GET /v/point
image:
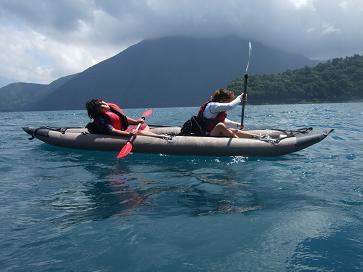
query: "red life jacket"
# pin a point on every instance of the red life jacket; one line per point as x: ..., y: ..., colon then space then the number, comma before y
x: 209, y: 124
x: 117, y: 117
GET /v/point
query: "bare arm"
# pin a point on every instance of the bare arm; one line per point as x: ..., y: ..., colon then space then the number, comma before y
x: 121, y: 133
x: 134, y: 122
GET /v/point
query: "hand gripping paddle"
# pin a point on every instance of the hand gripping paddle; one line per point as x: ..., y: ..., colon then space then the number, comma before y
x: 126, y: 149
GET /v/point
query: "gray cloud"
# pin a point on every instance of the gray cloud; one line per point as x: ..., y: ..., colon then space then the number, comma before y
x: 47, y: 16
x: 94, y: 30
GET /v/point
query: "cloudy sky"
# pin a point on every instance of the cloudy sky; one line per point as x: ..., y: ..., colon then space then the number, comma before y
x: 42, y: 40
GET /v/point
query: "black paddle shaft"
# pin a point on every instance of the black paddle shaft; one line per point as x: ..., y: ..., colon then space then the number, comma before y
x: 244, y: 98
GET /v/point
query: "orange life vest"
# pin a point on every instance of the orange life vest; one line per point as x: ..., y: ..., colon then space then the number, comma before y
x: 117, y: 117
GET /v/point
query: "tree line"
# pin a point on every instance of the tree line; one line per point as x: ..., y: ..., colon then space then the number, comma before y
x: 337, y: 80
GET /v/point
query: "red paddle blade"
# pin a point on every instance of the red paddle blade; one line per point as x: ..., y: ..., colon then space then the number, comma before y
x: 126, y: 149
x: 147, y: 113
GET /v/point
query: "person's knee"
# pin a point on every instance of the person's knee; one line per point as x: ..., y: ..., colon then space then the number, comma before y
x: 220, y: 130
x: 221, y: 126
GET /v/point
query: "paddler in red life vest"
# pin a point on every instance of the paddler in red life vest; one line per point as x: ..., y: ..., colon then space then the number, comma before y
x: 214, y: 116
x: 108, y: 118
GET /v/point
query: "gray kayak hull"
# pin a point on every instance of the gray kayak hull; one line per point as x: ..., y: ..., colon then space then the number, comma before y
x: 79, y: 138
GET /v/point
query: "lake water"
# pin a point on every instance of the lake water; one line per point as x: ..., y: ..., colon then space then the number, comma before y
x: 71, y: 210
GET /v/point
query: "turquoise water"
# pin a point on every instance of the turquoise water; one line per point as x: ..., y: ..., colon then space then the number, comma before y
x: 71, y: 210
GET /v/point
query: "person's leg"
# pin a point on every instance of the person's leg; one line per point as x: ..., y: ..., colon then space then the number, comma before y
x: 152, y: 134
x: 244, y: 134
x: 220, y: 130
x: 145, y: 130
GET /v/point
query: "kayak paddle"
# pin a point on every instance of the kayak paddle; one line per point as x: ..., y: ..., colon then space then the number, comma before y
x: 245, y: 82
x: 126, y: 149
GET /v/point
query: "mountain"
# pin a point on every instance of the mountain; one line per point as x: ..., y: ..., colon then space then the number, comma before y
x: 167, y: 72
x: 16, y: 96
x: 337, y: 80
x: 22, y: 96
x: 51, y: 88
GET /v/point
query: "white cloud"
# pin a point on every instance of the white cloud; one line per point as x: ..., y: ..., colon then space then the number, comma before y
x: 300, y: 4
x: 343, y: 5
x: 329, y: 29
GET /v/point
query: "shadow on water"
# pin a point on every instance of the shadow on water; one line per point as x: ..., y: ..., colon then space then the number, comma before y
x: 150, y: 185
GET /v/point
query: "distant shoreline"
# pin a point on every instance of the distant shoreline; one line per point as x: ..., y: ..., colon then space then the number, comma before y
x: 251, y: 104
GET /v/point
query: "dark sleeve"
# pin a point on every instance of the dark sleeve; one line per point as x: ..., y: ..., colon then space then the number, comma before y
x: 104, y: 125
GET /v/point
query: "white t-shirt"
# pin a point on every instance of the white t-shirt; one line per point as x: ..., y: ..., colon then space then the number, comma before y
x: 213, y: 108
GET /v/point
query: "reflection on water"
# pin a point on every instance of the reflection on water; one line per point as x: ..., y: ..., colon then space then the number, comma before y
x: 160, y: 186
x: 167, y: 186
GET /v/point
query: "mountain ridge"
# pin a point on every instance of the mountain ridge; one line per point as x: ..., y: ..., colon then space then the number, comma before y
x: 167, y: 72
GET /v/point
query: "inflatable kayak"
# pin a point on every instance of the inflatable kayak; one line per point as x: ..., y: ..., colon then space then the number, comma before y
x: 271, y: 142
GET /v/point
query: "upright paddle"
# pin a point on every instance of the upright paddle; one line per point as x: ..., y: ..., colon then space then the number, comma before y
x: 126, y: 149
x: 245, y: 83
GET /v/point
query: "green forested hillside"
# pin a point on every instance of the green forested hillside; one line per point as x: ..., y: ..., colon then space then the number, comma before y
x: 337, y: 80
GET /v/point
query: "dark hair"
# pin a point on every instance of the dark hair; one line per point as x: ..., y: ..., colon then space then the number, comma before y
x: 222, y: 94
x: 93, y: 107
